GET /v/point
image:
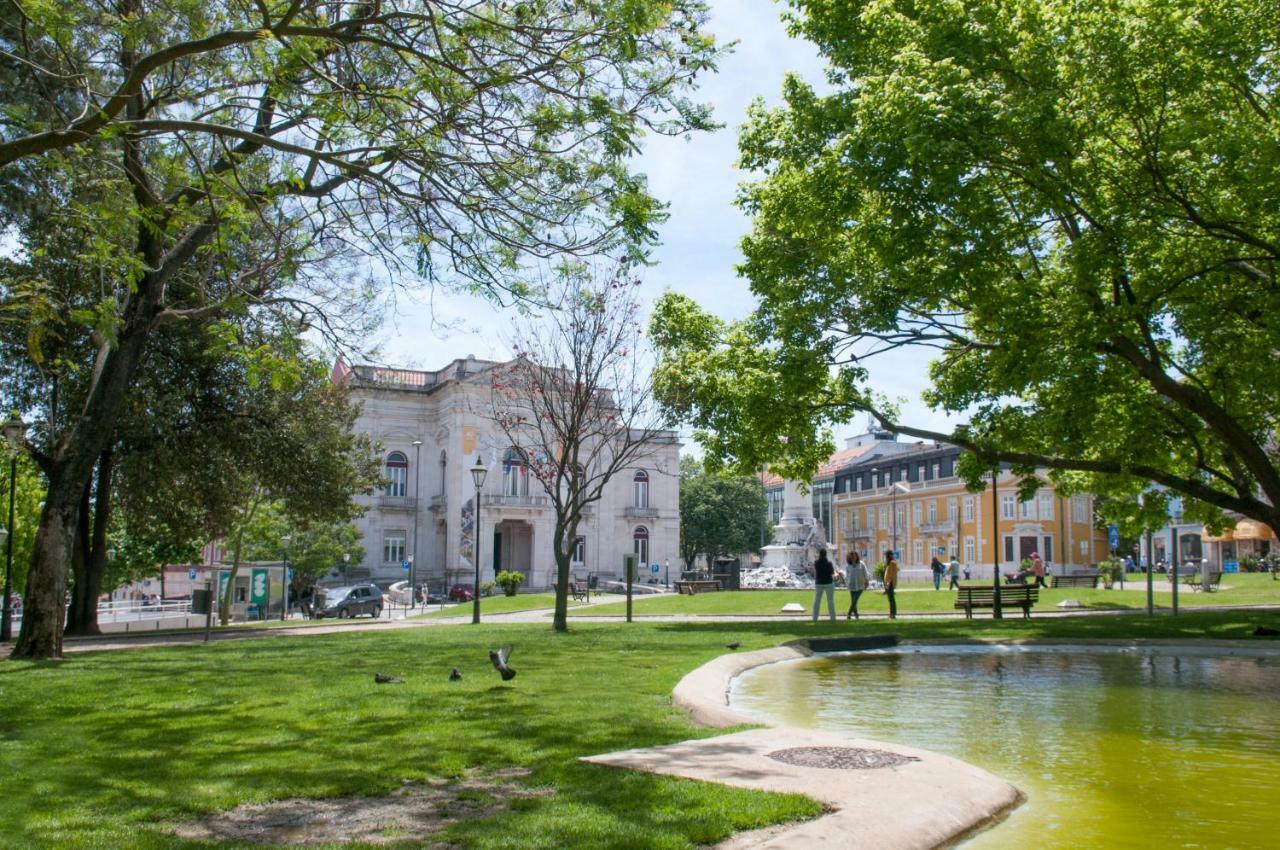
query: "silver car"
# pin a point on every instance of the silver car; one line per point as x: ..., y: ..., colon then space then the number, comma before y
x: 350, y: 601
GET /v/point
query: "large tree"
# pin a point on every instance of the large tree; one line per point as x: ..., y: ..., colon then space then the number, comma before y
x: 576, y: 402
x: 1073, y: 206
x: 228, y: 156
x: 720, y: 514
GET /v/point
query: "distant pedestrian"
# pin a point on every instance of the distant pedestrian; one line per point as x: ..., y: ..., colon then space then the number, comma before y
x: 1037, y: 569
x: 824, y: 581
x: 953, y: 571
x: 891, y: 582
x: 935, y: 566
x: 855, y: 575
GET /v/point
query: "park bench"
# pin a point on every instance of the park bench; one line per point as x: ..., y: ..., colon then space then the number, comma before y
x: 983, y: 596
x: 689, y: 588
x: 579, y: 589
x: 1075, y: 580
x: 1193, y: 581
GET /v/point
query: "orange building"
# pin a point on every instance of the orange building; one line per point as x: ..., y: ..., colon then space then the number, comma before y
x: 911, y: 501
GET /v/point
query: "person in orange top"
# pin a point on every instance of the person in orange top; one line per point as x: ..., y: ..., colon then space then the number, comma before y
x: 891, y: 582
x: 1037, y: 569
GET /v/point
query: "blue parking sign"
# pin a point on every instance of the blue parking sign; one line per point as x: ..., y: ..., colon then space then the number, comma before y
x: 191, y: 573
x: 1113, y: 537
x: 405, y: 564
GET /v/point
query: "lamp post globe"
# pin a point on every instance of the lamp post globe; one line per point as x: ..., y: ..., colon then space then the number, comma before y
x: 478, y: 473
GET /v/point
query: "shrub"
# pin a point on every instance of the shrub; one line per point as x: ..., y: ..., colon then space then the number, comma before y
x: 509, y: 581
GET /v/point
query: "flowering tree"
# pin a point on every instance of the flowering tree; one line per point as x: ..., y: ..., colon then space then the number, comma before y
x: 575, y: 401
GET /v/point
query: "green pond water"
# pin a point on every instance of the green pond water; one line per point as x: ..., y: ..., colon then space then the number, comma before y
x: 1114, y: 749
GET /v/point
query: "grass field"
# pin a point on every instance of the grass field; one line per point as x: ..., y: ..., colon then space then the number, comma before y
x: 1239, y: 589
x: 497, y: 605
x: 112, y: 750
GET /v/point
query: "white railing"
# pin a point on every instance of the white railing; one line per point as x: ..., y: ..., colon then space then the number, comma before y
x: 113, y: 612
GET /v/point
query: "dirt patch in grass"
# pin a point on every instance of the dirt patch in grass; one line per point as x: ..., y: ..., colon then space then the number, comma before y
x: 413, y: 813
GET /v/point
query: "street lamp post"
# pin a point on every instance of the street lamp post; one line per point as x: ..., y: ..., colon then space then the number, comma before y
x: 875, y: 484
x: 417, y: 500
x: 478, y: 472
x: 996, y: 613
x: 285, y: 540
x: 15, y: 431
x: 346, y: 559
x: 666, y: 577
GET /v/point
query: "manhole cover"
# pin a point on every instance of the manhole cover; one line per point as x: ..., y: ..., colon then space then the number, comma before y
x: 840, y: 758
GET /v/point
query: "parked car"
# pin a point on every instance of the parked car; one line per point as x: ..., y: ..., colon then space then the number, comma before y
x: 350, y: 601
x: 462, y: 593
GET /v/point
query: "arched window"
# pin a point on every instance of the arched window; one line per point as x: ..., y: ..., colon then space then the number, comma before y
x: 640, y: 486
x: 515, y: 473
x: 640, y: 544
x: 397, y: 474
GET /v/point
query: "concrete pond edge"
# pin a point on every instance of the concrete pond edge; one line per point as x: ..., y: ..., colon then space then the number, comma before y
x: 853, y: 802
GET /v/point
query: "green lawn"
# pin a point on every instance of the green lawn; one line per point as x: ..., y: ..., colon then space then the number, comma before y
x: 111, y: 749
x: 500, y: 604
x: 1238, y: 589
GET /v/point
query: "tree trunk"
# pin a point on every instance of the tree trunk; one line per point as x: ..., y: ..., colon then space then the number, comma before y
x: 563, y: 551
x: 90, y: 563
x: 79, y: 568
x: 44, y: 606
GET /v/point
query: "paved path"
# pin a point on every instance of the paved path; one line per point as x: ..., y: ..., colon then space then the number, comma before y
x: 541, y: 615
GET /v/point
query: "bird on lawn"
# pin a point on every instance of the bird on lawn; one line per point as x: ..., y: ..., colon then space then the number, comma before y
x: 385, y: 679
x: 733, y: 645
x: 455, y: 676
x: 499, y: 660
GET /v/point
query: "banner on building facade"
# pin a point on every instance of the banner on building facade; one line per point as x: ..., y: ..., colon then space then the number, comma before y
x: 259, y: 585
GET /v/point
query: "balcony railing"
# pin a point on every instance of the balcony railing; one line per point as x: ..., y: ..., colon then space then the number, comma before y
x: 396, y: 503
x: 941, y: 526
x: 639, y: 513
x: 501, y: 500
x: 862, y: 533
x: 438, y: 503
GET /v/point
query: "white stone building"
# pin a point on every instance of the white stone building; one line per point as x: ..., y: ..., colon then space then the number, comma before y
x: 431, y: 427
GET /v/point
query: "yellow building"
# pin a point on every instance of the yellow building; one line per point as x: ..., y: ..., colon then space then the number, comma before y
x: 911, y: 501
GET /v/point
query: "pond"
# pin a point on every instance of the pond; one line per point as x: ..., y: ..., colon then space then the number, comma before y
x: 1114, y: 747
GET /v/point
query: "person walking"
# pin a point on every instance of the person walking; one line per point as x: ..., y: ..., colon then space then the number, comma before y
x: 1037, y: 569
x: 891, y: 582
x: 953, y: 571
x: 855, y: 576
x: 824, y: 581
x: 936, y: 567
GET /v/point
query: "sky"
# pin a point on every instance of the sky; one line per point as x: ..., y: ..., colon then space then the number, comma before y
x: 700, y: 240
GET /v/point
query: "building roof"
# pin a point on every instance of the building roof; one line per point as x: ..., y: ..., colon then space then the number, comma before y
x: 409, y: 380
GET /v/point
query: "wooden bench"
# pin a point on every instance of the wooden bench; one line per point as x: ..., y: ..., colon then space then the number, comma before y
x: 689, y: 588
x: 1075, y: 580
x: 983, y: 596
x: 579, y: 590
x: 1193, y: 581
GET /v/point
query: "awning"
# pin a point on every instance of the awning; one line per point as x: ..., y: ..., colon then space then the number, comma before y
x: 1246, y: 529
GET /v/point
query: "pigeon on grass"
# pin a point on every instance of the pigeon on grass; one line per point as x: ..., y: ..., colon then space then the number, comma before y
x: 499, y: 660
x: 385, y: 679
x: 733, y: 645
x: 455, y: 676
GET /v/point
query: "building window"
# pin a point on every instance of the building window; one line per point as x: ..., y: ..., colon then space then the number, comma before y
x: 1008, y: 550
x: 969, y: 554
x: 640, y: 489
x: 393, y: 546
x: 1079, y: 509
x: 921, y: 473
x: 933, y: 511
x: 871, y: 519
x: 968, y: 509
x: 915, y: 514
x: 1027, y: 509
x: 937, y: 469
x: 515, y: 473
x: 902, y: 474
x: 640, y: 544
x: 1046, y: 506
x: 1046, y: 550
x: 580, y: 551
x: 884, y: 517
x: 1007, y: 508
x: 397, y: 474
x: 917, y: 552
x: 951, y: 509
